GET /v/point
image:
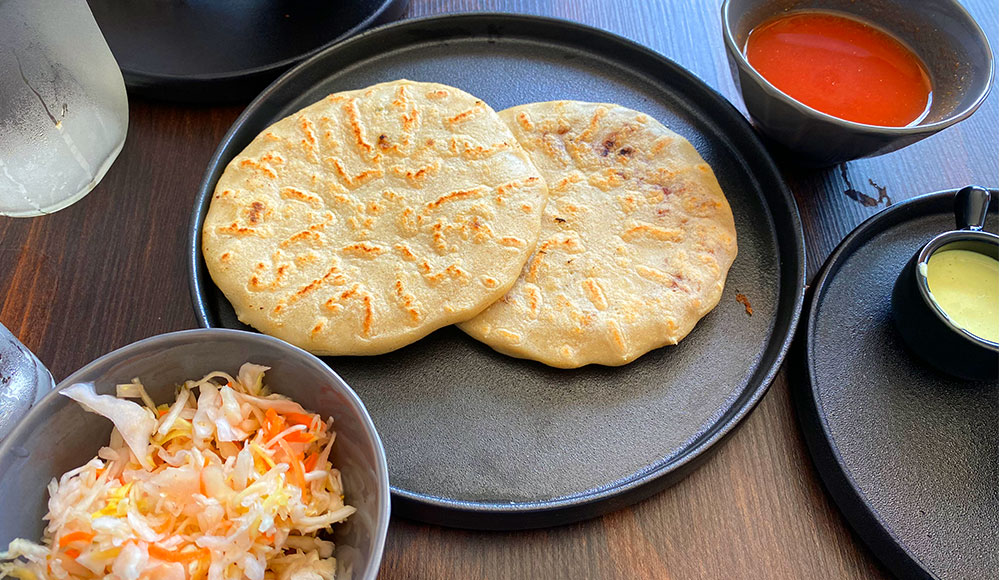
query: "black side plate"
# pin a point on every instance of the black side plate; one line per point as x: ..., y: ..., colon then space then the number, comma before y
x: 909, y: 454
x: 225, y: 50
x: 477, y: 439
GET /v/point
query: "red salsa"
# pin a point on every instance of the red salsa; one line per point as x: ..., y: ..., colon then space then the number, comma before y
x: 842, y: 67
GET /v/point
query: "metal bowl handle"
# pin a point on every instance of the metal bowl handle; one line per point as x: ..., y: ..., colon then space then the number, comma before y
x: 970, y: 208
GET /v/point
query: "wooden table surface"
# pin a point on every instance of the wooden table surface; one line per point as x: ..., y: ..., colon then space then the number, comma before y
x: 110, y: 270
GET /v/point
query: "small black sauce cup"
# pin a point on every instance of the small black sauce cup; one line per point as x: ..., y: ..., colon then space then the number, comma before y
x: 924, y: 326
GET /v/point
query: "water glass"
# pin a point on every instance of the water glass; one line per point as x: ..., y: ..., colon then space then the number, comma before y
x: 63, y: 109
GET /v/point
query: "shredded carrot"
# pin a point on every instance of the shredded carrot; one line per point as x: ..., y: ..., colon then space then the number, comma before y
x: 299, y: 437
x: 273, y: 424
x: 75, y: 537
x: 299, y: 418
x: 73, y: 553
x: 311, y: 461
x: 298, y: 473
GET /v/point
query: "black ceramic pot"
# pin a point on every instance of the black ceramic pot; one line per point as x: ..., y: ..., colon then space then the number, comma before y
x: 942, y: 33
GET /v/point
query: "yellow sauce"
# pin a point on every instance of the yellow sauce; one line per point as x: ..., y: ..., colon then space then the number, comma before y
x: 964, y: 284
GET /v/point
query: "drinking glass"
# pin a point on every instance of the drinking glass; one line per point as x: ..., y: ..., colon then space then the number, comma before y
x: 63, y: 109
x: 24, y: 380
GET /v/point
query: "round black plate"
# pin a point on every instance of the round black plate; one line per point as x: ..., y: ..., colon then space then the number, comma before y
x: 909, y: 454
x: 477, y: 439
x: 225, y: 50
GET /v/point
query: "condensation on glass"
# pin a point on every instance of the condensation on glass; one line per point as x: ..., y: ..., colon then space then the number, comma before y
x: 63, y: 109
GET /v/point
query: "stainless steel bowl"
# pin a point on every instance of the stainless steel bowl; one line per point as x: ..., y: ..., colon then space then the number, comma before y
x: 58, y: 435
x: 941, y: 32
x: 923, y: 324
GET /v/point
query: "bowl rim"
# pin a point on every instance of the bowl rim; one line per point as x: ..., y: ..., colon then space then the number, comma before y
x: 923, y: 288
x: 741, y: 61
x: 34, y: 415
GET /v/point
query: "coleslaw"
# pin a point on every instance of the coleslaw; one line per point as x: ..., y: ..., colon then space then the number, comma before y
x: 227, y: 482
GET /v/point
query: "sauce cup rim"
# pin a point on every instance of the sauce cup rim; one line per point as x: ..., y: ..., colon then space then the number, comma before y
x: 925, y: 293
x: 917, y: 129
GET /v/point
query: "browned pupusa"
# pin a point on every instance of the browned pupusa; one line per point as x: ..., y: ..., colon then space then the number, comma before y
x: 373, y: 217
x: 636, y: 242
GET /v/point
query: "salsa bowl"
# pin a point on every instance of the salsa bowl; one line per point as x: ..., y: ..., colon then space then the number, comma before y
x: 941, y: 33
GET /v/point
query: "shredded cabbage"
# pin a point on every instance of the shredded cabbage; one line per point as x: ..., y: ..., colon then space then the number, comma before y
x: 228, y: 484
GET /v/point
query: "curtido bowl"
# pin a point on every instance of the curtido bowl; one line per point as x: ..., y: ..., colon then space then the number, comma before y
x: 57, y: 435
x: 924, y: 325
x: 941, y: 33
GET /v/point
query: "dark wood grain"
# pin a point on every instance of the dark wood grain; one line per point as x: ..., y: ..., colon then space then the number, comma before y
x: 110, y: 270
